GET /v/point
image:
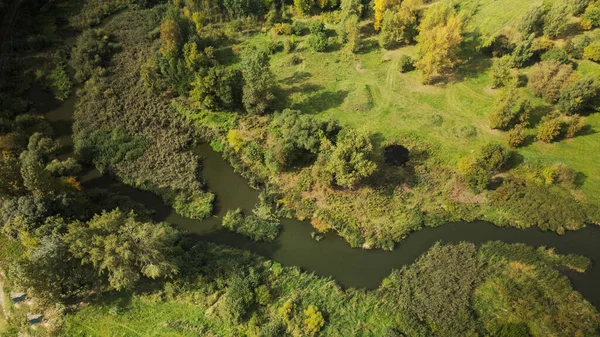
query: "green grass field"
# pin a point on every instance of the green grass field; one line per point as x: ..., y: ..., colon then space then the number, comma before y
x: 368, y: 91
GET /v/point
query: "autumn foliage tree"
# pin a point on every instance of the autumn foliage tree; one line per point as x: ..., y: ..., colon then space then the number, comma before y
x: 440, y: 35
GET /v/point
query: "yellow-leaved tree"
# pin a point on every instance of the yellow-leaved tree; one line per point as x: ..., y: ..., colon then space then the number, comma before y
x: 379, y: 7
x: 440, y: 35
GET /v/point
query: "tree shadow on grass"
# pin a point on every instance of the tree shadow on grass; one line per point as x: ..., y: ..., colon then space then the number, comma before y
x: 580, y: 179
x: 320, y: 101
x: 537, y: 113
x: 296, y: 78
x: 368, y: 46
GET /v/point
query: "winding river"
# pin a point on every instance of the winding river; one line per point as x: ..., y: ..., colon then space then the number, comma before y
x: 332, y: 256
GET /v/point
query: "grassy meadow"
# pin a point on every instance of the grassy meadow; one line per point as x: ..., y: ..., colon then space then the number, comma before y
x: 367, y: 90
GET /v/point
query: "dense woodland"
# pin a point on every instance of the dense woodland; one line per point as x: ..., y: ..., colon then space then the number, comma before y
x: 497, y: 110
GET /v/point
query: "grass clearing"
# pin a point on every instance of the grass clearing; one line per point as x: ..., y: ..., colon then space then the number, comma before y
x: 453, y: 116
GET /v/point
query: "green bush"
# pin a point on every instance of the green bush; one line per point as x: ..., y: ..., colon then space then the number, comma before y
x: 556, y: 54
x: 556, y: 21
x: 511, y: 108
x: 502, y: 72
x: 257, y: 226
x: 591, y: 17
x: 592, y: 51
x: 406, y: 64
x: 517, y: 136
x: 60, y: 82
x: 579, y: 97
x: 198, y: 205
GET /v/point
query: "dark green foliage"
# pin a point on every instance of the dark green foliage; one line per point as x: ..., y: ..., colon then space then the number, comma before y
x: 11, y: 181
x: 406, y: 64
x: 299, y: 27
x: 479, y: 168
x: 556, y: 21
x: 126, y: 249
x: 548, y: 207
x: 577, y: 7
x: 511, y: 108
x: 239, y: 297
x: 259, y: 81
x: 220, y: 89
x: 523, y: 52
x: 436, y: 291
x: 90, y: 54
x: 259, y: 226
x: 502, y: 72
x: 347, y: 162
x: 580, y: 97
x: 107, y: 149
x: 94, y: 11
x: 556, y: 54
x: 298, y: 137
x: 317, y: 39
x: 531, y: 22
x: 49, y: 271
x: 243, y: 8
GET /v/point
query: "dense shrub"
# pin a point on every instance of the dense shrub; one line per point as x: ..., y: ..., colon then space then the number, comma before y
x: 579, y: 97
x: 406, y: 64
x: 259, y: 226
x: 546, y: 79
x: 511, y: 108
x: 516, y: 136
x: 592, y: 51
x: 107, y: 149
x: 477, y: 169
x: 556, y: 21
x: 591, y: 17
x: 347, y: 162
x: 523, y: 51
x: 317, y: 39
x: 60, y: 82
x: 220, y: 89
x: 502, y: 72
x: 90, y: 54
x: 549, y: 129
x: 548, y: 207
x: 298, y: 137
x: 556, y: 54
x: 259, y: 81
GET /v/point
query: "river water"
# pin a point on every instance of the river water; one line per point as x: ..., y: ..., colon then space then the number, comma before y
x: 332, y: 256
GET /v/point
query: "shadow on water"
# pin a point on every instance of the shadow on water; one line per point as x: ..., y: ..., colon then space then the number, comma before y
x: 332, y: 256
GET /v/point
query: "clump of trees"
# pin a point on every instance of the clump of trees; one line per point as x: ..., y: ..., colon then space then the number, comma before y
x: 298, y: 137
x: 477, y: 169
x: 440, y: 35
x: 91, y: 53
x: 261, y: 225
x: 399, y: 22
x: 317, y: 40
x: 346, y: 162
x: 123, y: 248
x: 511, y: 108
x: 259, y: 81
x: 546, y: 79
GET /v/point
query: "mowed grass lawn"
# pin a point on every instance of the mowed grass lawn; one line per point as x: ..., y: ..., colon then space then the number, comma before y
x: 366, y: 90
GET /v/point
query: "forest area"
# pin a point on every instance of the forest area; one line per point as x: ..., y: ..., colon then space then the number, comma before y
x: 371, y: 120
